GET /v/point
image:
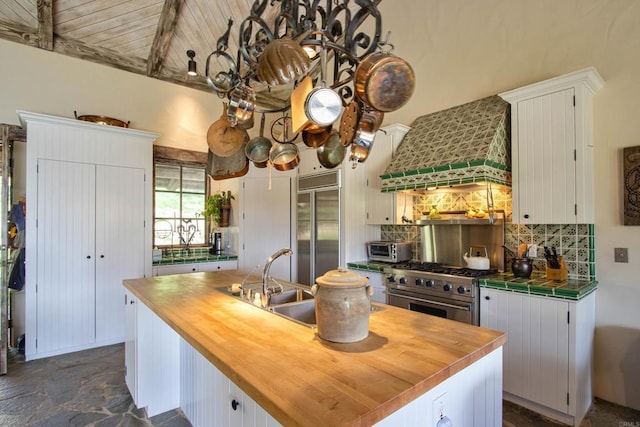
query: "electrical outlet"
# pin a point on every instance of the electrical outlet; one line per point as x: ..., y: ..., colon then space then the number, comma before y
x: 439, y: 409
x: 532, y: 251
x: 621, y: 255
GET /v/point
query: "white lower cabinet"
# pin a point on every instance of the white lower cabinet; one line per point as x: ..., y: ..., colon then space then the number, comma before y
x: 209, y: 399
x: 152, y: 359
x: 164, y: 270
x: 377, y: 281
x: 549, y: 350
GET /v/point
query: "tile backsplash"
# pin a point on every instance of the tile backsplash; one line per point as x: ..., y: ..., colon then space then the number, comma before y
x: 575, y: 242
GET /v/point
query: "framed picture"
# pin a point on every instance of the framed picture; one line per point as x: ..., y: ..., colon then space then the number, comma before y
x: 631, y: 165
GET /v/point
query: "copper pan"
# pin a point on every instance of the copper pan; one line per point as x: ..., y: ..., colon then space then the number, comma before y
x: 384, y: 82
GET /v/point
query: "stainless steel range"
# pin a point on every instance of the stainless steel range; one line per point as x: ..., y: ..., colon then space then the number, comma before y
x: 439, y: 290
x: 438, y: 285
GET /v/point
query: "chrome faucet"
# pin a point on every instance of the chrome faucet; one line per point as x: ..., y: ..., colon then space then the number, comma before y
x: 266, y: 290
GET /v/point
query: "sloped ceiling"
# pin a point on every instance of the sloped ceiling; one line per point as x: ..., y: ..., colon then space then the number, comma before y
x: 148, y: 37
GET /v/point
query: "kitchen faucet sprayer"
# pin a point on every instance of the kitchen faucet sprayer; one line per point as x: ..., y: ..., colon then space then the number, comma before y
x: 266, y: 291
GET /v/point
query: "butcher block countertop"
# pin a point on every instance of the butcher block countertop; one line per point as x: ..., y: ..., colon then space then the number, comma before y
x: 299, y: 378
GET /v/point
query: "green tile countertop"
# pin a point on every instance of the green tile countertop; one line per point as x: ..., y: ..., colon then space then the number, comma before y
x: 368, y: 266
x: 538, y: 284
x: 195, y: 255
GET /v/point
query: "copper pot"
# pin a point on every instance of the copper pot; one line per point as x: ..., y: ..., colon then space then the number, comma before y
x: 384, y: 82
x: 315, y: 139
x: 284, y: 157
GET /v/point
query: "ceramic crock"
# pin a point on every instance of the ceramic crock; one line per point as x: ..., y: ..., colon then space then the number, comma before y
x: 343, y: 304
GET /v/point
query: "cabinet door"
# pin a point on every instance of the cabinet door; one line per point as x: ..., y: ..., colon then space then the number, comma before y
x: 536, y: 355
x: 130, y: 351
x: 120, y: 244
x: 385, y: 208
x: 377, y: 282
x: 379, y: 206
x: 65, y: 315
x: 266, y: 226
x: 544, y: 166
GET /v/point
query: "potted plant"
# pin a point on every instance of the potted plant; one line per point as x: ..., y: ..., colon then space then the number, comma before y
x: 218, y: 207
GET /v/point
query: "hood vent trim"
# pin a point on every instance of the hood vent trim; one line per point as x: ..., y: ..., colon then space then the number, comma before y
x: 467, y: 144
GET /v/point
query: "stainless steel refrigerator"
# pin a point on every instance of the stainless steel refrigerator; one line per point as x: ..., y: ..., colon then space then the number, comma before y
x: 318, y: 223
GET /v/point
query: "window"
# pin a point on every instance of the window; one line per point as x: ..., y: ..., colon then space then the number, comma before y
x: 180, y: 193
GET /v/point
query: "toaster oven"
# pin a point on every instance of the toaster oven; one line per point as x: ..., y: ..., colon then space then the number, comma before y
x: 389, y: 251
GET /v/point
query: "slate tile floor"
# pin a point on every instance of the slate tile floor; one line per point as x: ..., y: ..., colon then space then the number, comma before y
x: 87, y: 389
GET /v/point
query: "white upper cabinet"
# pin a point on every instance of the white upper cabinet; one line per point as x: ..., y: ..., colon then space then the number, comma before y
x: 552, y: 149
x: 385, y: 208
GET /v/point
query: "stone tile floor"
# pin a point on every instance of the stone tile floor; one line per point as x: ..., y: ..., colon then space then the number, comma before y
x: 87, y: 388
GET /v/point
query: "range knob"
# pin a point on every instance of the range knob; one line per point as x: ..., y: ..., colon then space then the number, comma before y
x: 420, y: 282
x: 391, y: 279
x: 430, y: 283
x: 447, y: 287
x: 461, y: 289
x: 403, y: 281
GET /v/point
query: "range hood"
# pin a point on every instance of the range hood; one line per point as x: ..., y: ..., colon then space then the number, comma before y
x: 467, y: 144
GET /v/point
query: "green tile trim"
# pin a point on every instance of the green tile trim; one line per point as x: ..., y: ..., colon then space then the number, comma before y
x: 539, y: 285
x: 367, y: 266
x: 194, y: 259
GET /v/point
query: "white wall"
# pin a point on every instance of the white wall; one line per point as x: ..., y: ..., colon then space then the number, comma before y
x: 461, y: 50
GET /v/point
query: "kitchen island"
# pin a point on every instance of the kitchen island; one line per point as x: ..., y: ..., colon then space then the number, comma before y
x: 300, y: 379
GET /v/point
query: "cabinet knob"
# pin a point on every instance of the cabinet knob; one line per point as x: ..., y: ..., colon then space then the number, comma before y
x: 88, y: 256
x: 487, y: 297
x: 235, y: 404
x: 132, y: 301
x: 193, y: 269
x: 526, y: 216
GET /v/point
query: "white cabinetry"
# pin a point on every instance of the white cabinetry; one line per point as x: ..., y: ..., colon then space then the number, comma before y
x: 209, y: 398
x: 377, y: 281
x: 164, y: 270
x: 89, y: 190
x: 309, y: 163
x: 152, y: 359
x: 385, y: 208
x: 548, y: 354
x: 552, y: 149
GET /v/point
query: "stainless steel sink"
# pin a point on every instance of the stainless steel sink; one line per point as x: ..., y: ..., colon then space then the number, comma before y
x: 303, y: 312
x: 295, y: 304
x: 291, y: 295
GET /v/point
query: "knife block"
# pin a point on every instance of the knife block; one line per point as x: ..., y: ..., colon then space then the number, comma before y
x: 557, y: 273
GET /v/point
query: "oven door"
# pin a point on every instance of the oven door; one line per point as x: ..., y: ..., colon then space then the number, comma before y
x: 445, y: 308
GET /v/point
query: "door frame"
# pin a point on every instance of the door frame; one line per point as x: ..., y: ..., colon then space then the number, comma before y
x: 8, y: 134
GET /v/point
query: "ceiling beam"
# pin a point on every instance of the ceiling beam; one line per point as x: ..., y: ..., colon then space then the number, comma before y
x: 164, y: 34
x: 45, y: 24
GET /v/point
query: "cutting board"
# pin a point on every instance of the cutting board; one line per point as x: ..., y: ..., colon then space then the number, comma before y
x: 299, y: 118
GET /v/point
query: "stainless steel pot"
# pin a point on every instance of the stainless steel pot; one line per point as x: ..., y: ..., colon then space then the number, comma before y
x: 257, y: 149
x: 241, y: 106
x: 323, y: 105
x: 343, y: 305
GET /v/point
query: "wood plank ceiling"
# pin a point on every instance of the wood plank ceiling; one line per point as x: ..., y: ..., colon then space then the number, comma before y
x: 148, y: 37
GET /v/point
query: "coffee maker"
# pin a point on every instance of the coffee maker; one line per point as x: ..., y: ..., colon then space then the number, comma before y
x: 216, y: 243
